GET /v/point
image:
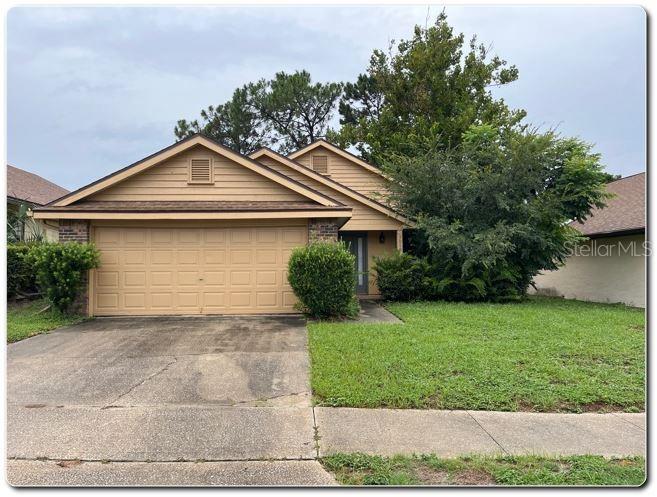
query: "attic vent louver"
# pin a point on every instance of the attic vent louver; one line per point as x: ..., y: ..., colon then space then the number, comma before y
x: 320, y: 164
x: 200, y: 171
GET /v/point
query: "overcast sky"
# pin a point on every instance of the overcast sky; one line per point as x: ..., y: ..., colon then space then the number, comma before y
x: 91, y: 90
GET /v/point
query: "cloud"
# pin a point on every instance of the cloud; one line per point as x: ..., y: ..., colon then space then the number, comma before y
x: 93, y: 89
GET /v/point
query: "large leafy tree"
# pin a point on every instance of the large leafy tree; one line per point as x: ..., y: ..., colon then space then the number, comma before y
x: 296, y: 110
x: 235, y: 124
x: 424, y: 92
x: 494, y: 210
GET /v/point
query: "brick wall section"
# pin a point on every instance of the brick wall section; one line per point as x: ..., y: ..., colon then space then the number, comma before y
x: 76, y: 230
x: 324, y: 230
x: 73, y: 230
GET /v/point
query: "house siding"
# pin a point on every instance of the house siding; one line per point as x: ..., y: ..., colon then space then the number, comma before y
x: 363, y: 217
x: 349, y: 174
x: 169, y: 181
x: 608, y: 270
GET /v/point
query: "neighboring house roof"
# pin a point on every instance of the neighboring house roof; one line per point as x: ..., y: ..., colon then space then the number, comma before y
x: 181, y: 146
x: 31, y: 188
x: 624, y: 213
x: 359, y: 197
x: 343, y: 153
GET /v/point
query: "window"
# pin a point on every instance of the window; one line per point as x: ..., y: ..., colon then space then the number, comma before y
x: 200, y: 171
x: 320, y: 164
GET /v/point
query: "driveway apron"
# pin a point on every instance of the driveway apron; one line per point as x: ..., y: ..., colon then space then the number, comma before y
x: 163, y: 389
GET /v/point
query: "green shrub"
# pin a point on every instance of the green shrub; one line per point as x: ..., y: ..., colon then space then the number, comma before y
x: 403, y: 277
x: 20, y: 275
x: 323, y: 278
x: 61, y: 270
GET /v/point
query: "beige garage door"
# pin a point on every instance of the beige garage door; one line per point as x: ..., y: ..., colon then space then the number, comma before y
x: 162, y: 270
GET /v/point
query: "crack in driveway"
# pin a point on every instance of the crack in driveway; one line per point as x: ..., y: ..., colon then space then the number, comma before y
x: 150, y: 377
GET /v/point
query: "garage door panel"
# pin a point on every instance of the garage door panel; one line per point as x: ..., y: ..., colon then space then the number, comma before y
x: 214, y: 300
x: 240, y: 236
x: 109, y: 258
x: 109, y: 236
x: 163, y: 270
x: 189, y: 236
x: 240, y: 299
x: 161, y: 278
x: 135, y: 237
x: 134, y: 278
x: 161, y: 257
x: 266, y: 278
x: 266, y: 299
x: 240, y: 278
x: 134, y: 257
x: 215, y: 278
x: 188, y: 301
x: 289, y: 299
x: 293, y: 237
x: 215, y: 236
x: 162, y: 301
x: 267, y: 236
x: 266, y: 256
x: 188, y: 278
x: 107, y: 301
x: 162, y: 236
x: 134, y: 300
x: 108, y: 279
x: 188, y: 257
x: 240, y: 257
x: 212, y: 256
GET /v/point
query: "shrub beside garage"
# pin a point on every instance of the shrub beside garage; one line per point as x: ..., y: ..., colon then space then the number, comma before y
x: 323, y: 277
x: 61, y: 270
x: 21, y: 279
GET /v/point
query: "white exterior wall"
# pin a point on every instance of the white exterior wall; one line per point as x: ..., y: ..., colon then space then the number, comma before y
x: 608, y: 270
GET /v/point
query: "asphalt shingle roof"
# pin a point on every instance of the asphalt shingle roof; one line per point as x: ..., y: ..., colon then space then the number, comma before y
x: 626, y: 211
x: 32, y: 188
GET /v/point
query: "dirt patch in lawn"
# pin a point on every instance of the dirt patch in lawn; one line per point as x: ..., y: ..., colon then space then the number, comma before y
x: 473, y: 477
x: 429, y: 476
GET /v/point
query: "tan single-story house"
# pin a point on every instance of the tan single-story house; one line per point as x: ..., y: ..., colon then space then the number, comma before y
x: 197, y: 228
x: 31, y: 190
x: 611, y: 266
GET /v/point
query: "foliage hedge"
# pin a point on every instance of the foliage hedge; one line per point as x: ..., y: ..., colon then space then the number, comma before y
x: 61, y: 269
x: 403, y: 277
x: 323, y: 278
x: 20, y: 275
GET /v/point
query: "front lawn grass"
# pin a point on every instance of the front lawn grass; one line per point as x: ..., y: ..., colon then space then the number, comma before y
x: 543, y: 354
x: 24, y: 320
x: 361, y: 469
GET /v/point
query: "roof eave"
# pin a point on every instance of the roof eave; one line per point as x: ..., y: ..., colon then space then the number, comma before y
x: 173, y: 215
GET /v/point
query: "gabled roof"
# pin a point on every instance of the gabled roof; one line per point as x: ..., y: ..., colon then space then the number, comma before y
x: 343, y: 153
x: 624, y: 213
x: 31, y: 188
x: 339, y: 187
x: 181, y: 146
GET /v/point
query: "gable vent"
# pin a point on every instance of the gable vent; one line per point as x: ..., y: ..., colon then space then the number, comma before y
x: 200, y: 171
x: 320, y: 164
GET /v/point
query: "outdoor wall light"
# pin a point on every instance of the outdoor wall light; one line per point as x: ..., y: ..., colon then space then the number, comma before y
x: 382, y: 238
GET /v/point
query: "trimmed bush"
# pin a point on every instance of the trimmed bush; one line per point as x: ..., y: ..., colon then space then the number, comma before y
x: 403, y: 277
x: 323, y: 278
x: 61, y: 270
x: 20, y: 275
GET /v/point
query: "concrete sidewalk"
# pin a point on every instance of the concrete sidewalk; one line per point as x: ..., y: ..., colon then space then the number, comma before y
x: 457, y: 433
x: 218, y: 445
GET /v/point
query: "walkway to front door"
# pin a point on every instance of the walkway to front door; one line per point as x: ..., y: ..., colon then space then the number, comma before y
x: 357, y: 244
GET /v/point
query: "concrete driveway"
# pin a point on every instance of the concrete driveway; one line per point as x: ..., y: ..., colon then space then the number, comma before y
x: 163, y: 389
x: 229, y: 361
